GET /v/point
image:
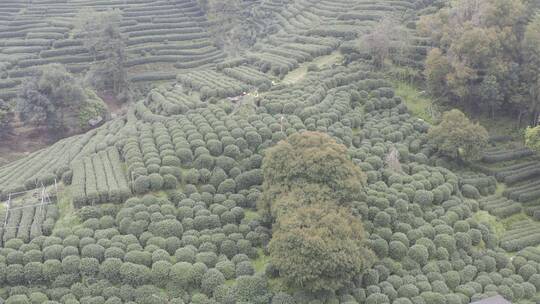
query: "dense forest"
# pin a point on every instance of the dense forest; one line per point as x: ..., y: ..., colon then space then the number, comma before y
x: 269, y: 151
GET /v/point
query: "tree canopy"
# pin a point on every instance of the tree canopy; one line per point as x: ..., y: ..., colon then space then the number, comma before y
x: 456, y: 136
x: 309, y: 184
x: 319, y: 247
x: 311, y: 159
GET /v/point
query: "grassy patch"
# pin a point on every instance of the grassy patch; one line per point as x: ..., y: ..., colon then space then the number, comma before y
x: 500, y: 188
x: 68, y: 217
x: 518, y: 217
x: 416, y: 102
x: 250, y: 215
x: 260, y: 263
x: 161, y: 194
x: 492, y: 221
x: 498, y: 225
x: 299, y: 73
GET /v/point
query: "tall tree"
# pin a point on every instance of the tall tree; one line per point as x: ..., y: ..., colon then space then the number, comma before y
x: 311, y: 158
x: 309, y: 185
x: 319, y: 247
x: 388, y: 39
x: 103, y: 39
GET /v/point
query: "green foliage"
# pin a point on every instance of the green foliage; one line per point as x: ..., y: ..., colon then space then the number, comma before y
x: 210, y: 280
x: 311, y: 158
x: 5, y: 111
x: 488, y: 63
x: 50, y: 97
x: 182, y: 275
x: 102, y: 36
x: 311, y: 226
x: 252, y: 289
x: 315, y: 234
x: 458, y: 137
x: 135, y: 274
x: 93, y: 108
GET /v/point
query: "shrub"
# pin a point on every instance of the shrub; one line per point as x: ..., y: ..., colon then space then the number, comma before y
x: 18, y: 299
x: 89, y: 267
x: 51, y: 269
x: 397, y: 250
x: 419, y: 254
x: 210, y: 280
x: 93, y: 251
x: 250, y: 178
x: 227, y: 186
x: 166, y: 228
x: 282, y: 298
x: 156, y: 181
x: 207, y: 258
x: 182, y: 275
x: 141, y: 184
x: 38, y: 297
x: 423, y: 197
x: 380, y: 247
x: 244, y: 268
x: 135, y: 274
x: 139, y: 257
x: 252, y: 289
x: 33, y: 272
x: 110, y: 269
x: 160, y: 273
x: 227, y: 268
x: 169, y: 181
x: 71, y: 264
x: 377, y: 298
x: 433, y: 297
x: 470, y: 191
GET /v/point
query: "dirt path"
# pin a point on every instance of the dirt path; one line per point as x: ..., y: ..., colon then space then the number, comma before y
x: 23, y: 141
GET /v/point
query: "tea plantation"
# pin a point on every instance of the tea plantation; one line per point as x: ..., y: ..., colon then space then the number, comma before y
x: 162, y: 205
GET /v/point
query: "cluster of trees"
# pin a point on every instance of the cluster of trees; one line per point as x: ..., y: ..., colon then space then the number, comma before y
x: 486, y: 56
x: 309, y: 184
x: 55, y: 98
x: 388, y: 39
x: 228, y: 25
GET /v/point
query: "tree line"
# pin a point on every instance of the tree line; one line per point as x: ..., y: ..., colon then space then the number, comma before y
x: 486, y: 56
